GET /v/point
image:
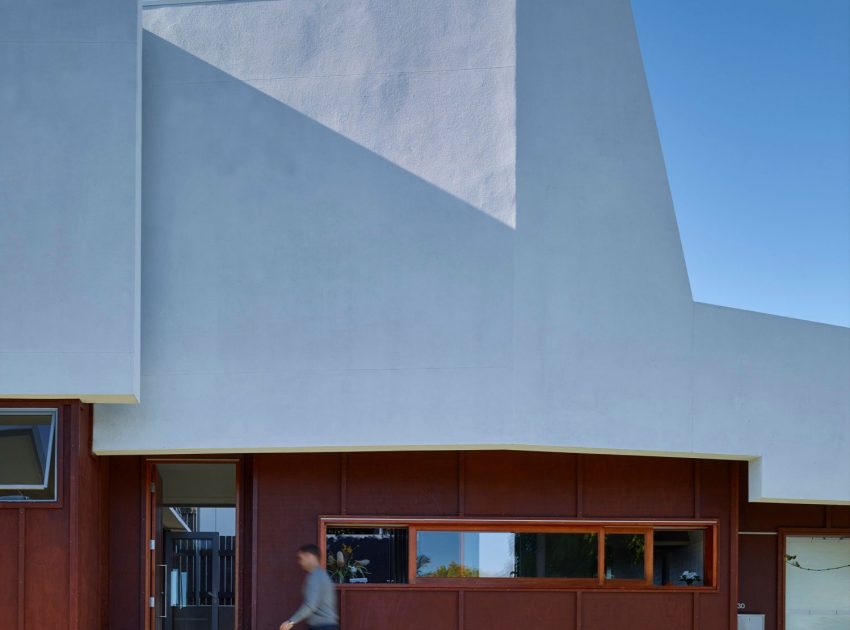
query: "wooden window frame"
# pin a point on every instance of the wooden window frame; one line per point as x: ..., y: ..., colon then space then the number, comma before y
x: 555, y: 526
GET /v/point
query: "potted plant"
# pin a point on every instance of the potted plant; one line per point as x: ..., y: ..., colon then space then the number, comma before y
x: 689, y: 577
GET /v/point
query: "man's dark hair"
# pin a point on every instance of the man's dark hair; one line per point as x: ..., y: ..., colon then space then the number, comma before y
x: 311, y: 549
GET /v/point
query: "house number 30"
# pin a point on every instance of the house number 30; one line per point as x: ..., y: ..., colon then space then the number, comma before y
x: 742, y: 606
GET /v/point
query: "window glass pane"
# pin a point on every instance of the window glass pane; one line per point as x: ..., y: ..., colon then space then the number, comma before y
x: 556, y: 555
x: 817, y: 583
x: 439, y: 555
x: 568, y: 555
x: 678, y: 556
x: 27, y: 455
x: 364, y: 554
x: 490, y: 554
x: 624, y: 555
x: 507, y: 555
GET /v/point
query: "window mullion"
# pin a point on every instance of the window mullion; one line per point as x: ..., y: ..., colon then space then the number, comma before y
x: 600, y: 541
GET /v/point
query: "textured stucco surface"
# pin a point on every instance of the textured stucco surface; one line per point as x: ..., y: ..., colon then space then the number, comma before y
x: 428, y: 86
x: 387, y: 225
x: 69, y: 199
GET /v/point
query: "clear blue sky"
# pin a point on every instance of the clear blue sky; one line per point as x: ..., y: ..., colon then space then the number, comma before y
x: 752, y: 99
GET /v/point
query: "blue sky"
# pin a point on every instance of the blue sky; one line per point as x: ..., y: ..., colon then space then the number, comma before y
x: 752, y: 100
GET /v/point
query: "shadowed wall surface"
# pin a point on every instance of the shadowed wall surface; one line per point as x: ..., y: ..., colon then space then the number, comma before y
x: 70, y: 205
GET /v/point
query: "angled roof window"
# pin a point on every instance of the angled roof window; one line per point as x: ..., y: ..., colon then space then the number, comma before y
x: 28, y: 454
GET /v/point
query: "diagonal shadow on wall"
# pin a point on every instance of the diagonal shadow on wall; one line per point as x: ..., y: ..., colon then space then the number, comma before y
x: 271, y: 233
x: 298, y: 288
x: 275, y: 249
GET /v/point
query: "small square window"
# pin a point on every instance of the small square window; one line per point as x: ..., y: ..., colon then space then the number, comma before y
x: 28, y: 454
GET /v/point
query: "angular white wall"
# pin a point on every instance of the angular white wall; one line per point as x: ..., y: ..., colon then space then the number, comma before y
x: 69, y: 199
x: 442, y: 225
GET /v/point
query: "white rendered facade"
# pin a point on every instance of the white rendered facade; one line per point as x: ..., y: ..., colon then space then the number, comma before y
x: 372, y: 225
x: 70, y: 155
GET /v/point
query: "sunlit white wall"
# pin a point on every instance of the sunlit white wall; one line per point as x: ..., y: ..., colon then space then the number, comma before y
x: 325, y: 266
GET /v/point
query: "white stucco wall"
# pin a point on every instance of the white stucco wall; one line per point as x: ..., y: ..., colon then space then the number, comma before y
x: 442, y: 225
x: 69, y: 199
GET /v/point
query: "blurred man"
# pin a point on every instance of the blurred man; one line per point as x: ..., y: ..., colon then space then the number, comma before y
x: 319, y: 608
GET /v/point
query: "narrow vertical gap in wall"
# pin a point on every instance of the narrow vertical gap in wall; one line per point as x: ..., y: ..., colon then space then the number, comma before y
x: 697, y: 477
x: 579, y: 485
x: 780, y: 577
x: 734, y: 517
x: 343, y: 483
x: 255, y: 501
x: 143, y: 540
x: 578, y: 610
x: 146, y: 612
x: 22, y: 538
x: 461, y: 484
x: 695, y: 604
x: 104, y: 479
x: 245, y: 584
x: 72, y: 417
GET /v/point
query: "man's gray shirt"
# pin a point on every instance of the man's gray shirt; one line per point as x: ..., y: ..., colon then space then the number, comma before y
x: 319, y: 607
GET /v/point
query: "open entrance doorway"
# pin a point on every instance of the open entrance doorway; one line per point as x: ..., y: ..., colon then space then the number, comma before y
x: 192, y: 566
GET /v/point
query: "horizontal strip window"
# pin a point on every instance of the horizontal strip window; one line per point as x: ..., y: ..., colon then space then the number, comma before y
x: 529, y: 553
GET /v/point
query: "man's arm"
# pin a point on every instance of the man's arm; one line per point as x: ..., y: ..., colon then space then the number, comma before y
x: 312, y: 592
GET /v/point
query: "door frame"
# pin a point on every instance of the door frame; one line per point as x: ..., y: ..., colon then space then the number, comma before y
x: 784, y: 532
x: 148, y: 533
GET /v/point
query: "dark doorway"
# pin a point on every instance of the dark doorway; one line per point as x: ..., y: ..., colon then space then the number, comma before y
x: 193, y: 545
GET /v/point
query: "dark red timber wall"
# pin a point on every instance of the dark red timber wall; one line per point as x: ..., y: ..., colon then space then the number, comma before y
x: 287, y: 493
x: 127, y: 543
x: 292, y: 491
x: 760, y: 556
x: 53, y: 560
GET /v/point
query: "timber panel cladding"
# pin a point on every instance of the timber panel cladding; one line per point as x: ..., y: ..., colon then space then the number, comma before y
x: 293, y: 491
x: 541, y: 611
x: 290, y: 492
x: 126, y: 543
x: 53, y: 565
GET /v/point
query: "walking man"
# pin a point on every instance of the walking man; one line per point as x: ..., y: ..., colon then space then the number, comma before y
x: 319, y: 607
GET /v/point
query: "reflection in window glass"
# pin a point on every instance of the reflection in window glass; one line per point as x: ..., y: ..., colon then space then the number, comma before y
x: 678, y: 557
x: 28, y: 454
x: 624, y: 556
x: 439, y: 555
x: 367, y: 554
x: 817, y: 582
x: 558, y: 555
x: 506, y: 555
